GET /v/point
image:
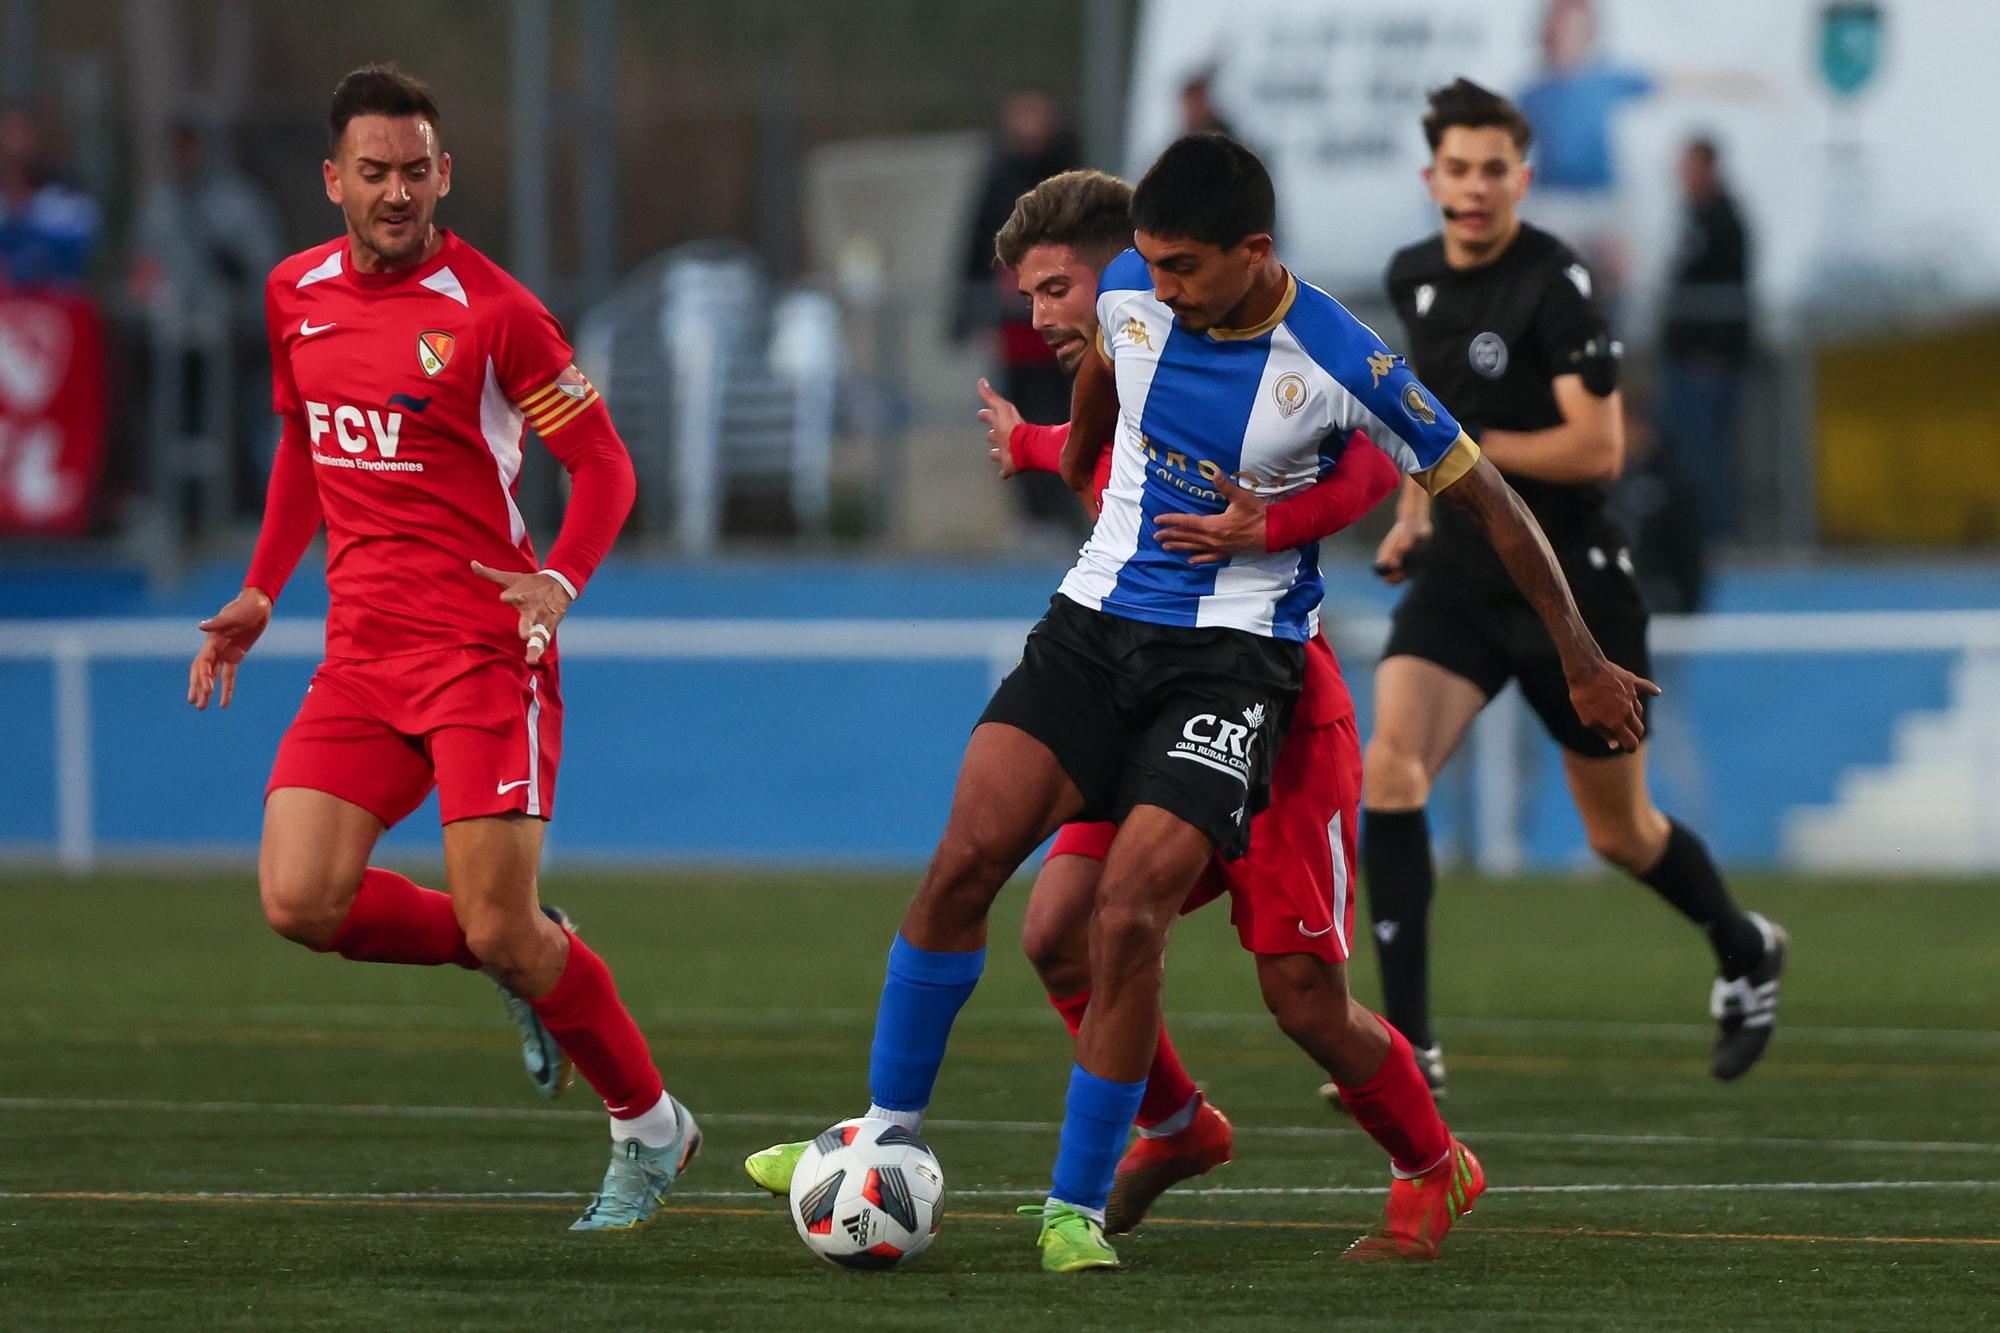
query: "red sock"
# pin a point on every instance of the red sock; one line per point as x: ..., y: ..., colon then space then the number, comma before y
x: 395, y: 921
x: 585, y: 1016
x: 1071, y: 1008
x: 1397, y: 1109
x: 1168, y: 1086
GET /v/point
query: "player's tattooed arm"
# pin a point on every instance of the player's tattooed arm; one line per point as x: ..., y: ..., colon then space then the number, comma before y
x: 1093, y: 417
x: 1605, y: 695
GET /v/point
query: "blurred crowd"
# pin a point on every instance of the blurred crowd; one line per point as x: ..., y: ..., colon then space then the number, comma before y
x: 174, y: 313
x: 179, y: 285
x: 1684, y: 384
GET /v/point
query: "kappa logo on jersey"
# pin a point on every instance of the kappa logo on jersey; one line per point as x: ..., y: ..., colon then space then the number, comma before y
x: 1488, y: 354
x: 1380, y: 364
x: 1418, y: 406
x: 1290, y: 391
x: 1425, y: 295
x: 434, y: 350
x: 347, y: 424
x: 1137, y: 333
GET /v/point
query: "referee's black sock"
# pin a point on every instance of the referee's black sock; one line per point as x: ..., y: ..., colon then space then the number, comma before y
x: 1685, y: 875
x: 1396, y: 860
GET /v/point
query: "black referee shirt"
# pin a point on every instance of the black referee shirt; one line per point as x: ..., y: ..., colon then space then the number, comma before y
x: 1488, y: 342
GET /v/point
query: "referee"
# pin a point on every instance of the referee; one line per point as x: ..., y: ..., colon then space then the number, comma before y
x: 1499, y: 321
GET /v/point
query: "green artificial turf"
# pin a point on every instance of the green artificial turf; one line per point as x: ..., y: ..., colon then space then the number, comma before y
x: 158, y: 1041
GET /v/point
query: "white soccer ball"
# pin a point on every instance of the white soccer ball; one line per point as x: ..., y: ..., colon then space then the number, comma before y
x: 868, y: 1194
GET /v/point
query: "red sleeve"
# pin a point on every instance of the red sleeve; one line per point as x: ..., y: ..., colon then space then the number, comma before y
x: 1362, y: 478
x: 537, y: 372
x: 1038, y: 448
x: 291, y: 514
x: 284, y: 392
x: 602, y: 488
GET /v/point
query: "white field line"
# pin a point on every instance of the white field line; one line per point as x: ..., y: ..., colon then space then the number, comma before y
x: 412, y: 1017
x: 1205, y: 1192
x: 801, y: 1122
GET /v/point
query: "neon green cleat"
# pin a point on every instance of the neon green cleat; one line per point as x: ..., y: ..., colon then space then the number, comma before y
x: 771, y: 1169
x: 638, y: 1180
x: 1070, y: 1241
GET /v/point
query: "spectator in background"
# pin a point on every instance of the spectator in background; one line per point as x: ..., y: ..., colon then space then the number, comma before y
x: 1656, y: 497
x: 206, y: 232
x: 1705, y: 338
x: 1199, y: 114
x: 1033, y: 144
x: 48, y: 231
x: 205, y: 237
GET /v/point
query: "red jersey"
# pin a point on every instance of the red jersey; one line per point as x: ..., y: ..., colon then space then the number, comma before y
x: 410, y: 392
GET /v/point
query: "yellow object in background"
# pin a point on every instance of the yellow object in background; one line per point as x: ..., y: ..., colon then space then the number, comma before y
x: 1909, y: 440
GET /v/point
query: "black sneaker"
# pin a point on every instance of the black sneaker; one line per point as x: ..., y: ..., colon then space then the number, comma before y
x: 1747, y: 1008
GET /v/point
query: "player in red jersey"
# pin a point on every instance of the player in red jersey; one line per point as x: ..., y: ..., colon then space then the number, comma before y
x: 1291, y: 896
x: 404, y: 367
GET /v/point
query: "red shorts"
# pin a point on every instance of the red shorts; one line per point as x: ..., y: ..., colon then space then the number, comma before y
x: 1293, y: 892
x: 484, y: 729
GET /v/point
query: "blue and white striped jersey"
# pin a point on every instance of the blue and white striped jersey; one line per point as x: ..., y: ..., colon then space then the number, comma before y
x: 1269, y: 407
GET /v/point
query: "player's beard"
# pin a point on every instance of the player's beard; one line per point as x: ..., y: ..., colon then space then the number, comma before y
x: 1071, y: 351
x: 396, y: 251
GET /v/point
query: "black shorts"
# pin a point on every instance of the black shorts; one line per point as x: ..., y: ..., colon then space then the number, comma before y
x: 1188, y: 719
x: 1490, y: 635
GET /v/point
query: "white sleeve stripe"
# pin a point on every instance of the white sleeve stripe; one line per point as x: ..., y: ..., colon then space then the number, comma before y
x: 567, y: 586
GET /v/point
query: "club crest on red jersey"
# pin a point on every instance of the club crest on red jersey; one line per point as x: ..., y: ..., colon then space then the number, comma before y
x: 572, y: 384
x: 434, y: 350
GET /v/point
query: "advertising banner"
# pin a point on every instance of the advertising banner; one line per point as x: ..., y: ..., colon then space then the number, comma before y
x: 52, y: 413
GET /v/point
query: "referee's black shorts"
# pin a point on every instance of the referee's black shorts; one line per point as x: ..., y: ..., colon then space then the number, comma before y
x: 1490, y: 635
x: 1186, y: 718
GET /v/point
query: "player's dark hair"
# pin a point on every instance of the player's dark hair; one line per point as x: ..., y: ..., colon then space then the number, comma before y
x: 378, y: 90
x: 1469, y: 106
x: 1208, y: 188
x: 1088, y: 211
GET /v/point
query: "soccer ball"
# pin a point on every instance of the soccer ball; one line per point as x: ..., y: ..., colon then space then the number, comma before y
x: 868, y: 1194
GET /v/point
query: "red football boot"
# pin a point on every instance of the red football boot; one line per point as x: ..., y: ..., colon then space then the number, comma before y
x: 1420, y: 1211
x: 1150, y: 1167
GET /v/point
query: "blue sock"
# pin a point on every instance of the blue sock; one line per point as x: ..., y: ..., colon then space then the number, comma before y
x: 1099, y: 1117
x: 921, y: 996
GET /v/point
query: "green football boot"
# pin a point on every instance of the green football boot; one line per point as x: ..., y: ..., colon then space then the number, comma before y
x: 638, y: 1180
x: 548, y: 1068
x: 1070, y: 1241
x: 770, y: 1169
